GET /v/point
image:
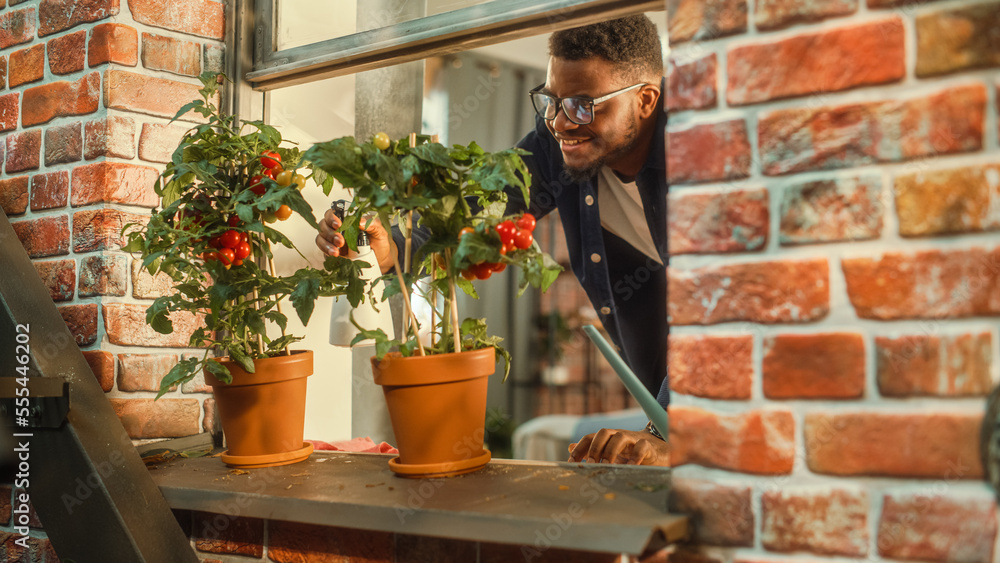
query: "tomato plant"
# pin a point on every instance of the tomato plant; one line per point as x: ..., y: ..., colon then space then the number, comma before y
x: 209, y: 234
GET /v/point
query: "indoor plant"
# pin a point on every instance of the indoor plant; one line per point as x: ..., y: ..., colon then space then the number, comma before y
x: 226, y: 184
x: 457, y: 198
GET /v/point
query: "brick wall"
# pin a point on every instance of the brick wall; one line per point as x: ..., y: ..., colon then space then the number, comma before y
x: 86, y: 93
x: 835, y: 181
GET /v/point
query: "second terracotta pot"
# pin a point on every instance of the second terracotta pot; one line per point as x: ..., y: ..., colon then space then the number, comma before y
x: 437, y: 405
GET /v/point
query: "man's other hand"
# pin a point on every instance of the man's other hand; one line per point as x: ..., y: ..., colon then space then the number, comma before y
x: 332, y: 243
x: 621, y: 446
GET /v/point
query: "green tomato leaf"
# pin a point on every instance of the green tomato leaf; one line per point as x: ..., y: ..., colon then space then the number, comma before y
x: 304, y: 297
x: 183, y: 371
x: 218, y: 370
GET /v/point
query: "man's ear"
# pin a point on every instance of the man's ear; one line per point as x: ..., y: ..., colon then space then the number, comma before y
x: 648, y: 96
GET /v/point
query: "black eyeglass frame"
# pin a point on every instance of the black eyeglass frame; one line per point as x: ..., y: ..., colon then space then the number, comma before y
x: 559, y: 102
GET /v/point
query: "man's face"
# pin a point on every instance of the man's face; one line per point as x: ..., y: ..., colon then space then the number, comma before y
x: 615, y: 129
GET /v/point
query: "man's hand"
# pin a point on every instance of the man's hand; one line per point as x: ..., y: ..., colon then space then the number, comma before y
x: 621, y: 446
x: 331, y: 242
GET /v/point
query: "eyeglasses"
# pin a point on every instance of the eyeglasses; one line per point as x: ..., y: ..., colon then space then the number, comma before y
x: 578, y: 109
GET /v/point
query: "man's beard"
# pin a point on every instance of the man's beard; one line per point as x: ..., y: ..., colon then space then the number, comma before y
x: 627, y: 145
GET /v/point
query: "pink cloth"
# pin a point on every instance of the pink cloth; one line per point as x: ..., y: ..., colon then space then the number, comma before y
x: 362, y: 445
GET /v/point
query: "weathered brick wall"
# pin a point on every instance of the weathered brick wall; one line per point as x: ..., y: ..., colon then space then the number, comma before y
x: 835, y: 177
x: 86, y: 93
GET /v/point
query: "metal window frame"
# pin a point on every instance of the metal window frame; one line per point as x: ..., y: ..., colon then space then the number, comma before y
x: 449, y: 32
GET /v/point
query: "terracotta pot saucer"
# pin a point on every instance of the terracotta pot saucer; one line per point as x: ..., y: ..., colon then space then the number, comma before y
x: 444, y: 469
x: 268, y: 460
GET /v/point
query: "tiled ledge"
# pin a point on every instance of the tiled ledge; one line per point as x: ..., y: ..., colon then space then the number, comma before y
x: 596, y: 508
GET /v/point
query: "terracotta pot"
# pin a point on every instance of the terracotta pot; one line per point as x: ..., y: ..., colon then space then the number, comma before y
x: 263, y: 413
x: 437, y: 405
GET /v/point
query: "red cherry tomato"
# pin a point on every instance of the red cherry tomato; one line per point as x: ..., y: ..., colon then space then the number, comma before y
x: 237, y: 262
x: 526, y: 222
x: 230, y: 238
x: 270, y: 159
x: 523, y: 239
x: 503, y: 250
x: 507, y: 230
x: 215, y: 242
x: 499, y: 266
x: 482, y: 270
x: 244, y: 237
x: 227, y: 256
x: 468, y: 274
x: 270, y: 172
x: 209, y: 256
x: 257, y: 185
x: 465, y: 231
x: 242, y: 250
x: 234, y: 221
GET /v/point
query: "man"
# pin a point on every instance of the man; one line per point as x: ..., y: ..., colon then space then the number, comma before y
x: 598, y: 157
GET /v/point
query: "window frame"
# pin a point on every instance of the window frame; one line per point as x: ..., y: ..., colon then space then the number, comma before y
x: 459, y: 30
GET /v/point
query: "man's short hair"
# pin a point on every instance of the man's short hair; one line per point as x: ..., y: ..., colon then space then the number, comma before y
x: 632, y: 43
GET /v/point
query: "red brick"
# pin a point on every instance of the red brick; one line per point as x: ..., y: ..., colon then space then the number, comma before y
x: 705, y: 19
x: 103, y: 274
x: 58, y: 99
x: 832, y: 210
x: 67, y: 53
x: 63, y: 144
x: 135, y: 92
x: 937, y: 527
x: 82, y: 322
x: 17, y: 27
x: 113, y: 43
x: 196, y: 385
x: 948, y: 201
x: 414, y: 549
x: 59, y: 276
x: 101, y: 229
x: 126, y: 325
x: 48, y: 236
x: 110, y: 136
x: 49, y: 191
x: 716, y: 367
x: 221, y: 533
x: 157, y: 142
x: 58, y: 15
x: 822, y: 138
x: 958, y: 39
x: 197, y: 17
x: 838, y: 60
x: 907, y: 4
x: 102, y: 363
x: 26, y: 65
x: 931, y: 284
x: 9, y: 104
x: 752, y: 442
x: 115, y: 183
x: 732, y: 221
x: 771, y: 14
x: 720, y: 514
x: 814, y: 366
x: 145, y: 286
x: 711, y: 152
x: 171, y: 55
x: 165, y: 418
x: 819, y: 520
x: 14, y: 195
x: 143, y: 372
x: 691, y: 84
x: 764, y: 292
x: 291, y: 542
x: 894, y: 445
x: 3, y: 72
x: 24, y: 150
x: 918, y: 365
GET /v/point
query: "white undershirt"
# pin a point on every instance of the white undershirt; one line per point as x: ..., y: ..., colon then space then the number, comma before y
x: 622, y: 213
